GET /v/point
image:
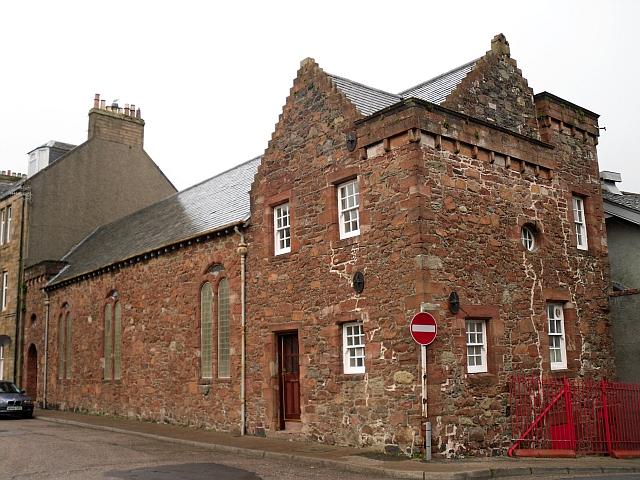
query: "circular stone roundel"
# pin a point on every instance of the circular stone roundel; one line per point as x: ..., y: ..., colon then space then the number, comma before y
x: 358, y: 282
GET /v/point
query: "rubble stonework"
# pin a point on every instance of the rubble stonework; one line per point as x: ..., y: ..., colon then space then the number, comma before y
x: 445, y: 191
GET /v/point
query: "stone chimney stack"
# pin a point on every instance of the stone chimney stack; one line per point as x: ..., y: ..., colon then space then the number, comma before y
x: 116, y: 124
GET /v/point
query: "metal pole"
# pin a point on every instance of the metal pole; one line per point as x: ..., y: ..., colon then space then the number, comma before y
x: 242, y: 251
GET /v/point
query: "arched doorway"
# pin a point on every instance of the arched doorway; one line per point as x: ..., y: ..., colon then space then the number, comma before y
x: 32, y: 372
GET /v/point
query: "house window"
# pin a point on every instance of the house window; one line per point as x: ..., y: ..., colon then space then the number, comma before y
x: 33, y: 164
x: 528, y: 238
x: 353, y: 347
x: 224, y: 314
x: 348, y: 205
x: 579, y: 222
x: 8, y: 229
x: 557, y: 344
x: 476, y: 346
x: 3, y: 224
x: 5, y: 289
x: 1, y: 360
x: 282, y: 229
x: 206, y: 328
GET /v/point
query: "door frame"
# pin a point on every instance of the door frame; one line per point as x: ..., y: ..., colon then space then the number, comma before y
x: 280, y: 337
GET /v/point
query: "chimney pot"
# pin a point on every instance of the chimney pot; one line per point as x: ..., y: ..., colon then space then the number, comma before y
x: 9, y: 172
x: 126, y: 109
x: 133, y: 110
x: 101, y: 104
x: 120, y: 110
x: 138, y: 113
x: 96, y: 101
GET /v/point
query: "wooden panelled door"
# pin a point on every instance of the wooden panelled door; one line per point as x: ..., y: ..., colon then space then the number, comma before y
x: 289, y: 363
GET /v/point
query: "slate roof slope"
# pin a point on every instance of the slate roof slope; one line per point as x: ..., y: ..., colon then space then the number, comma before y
x: 366, y: 99
x: 438, y: 89
x: 369, y: 100
x: 208, y: 206
x: 628, y: 200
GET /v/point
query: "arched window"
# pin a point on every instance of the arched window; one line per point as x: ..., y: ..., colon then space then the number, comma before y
x: 113, y: 340
x: 107, y: 341
x: 68, y: 345
x: 117, y: 341
x: 224, y: 313
x: 61, y: 355
x: 206, y: 328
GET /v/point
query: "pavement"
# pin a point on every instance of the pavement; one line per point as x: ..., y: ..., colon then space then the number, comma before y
x: 356, y: 460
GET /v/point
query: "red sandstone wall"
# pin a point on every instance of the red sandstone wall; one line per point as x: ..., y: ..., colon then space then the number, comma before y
x: 160, y: 340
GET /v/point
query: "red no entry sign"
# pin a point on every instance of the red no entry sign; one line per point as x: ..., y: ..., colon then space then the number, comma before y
x: 424, y: 328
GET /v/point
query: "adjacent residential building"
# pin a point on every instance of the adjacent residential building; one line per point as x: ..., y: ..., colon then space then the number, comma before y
x: 276, y: 299
x: 622, y: 211
x: 70, y: 191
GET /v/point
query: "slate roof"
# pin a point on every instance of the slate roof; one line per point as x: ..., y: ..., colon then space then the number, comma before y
x: 628, y: 200
x: 438, y: 89
x: 369, y: 100
x: 55, y: 144
x: 208, y: 206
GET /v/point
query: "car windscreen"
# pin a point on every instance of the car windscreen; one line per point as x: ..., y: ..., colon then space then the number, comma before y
x: 8, y: 387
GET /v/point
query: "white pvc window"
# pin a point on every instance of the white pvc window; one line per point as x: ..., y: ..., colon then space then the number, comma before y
x: 3, y: 224
x: 579, y: 222
x: 557, y: 342
x: 528, y: 238
x: 282, y: 229
x: 8, y: 227
x: 1, y: 361
x: 476, y: 346
x: 348, y: 206
x: 353, y: 347
x: 5, y: 289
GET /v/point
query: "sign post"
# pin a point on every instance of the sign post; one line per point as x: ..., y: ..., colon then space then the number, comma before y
x: 424, y: 330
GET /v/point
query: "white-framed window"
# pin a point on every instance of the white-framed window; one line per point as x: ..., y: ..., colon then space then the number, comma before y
x: 557, y: 343
x: 206, y: 328
x: 1, y: 360
x: 33, y: 163
x: 476, y: 346
x: 528, y: 238
x: 3, y: 225
x: 579, y: 222
x: 282, y: 229
x: 8, y: 228
x: 5, y: 289
x: 348, y: 206
x: 353, y: 347
x: 224, y: 329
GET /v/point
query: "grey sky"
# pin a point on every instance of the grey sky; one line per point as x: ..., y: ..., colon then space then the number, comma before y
x: 211, y: 78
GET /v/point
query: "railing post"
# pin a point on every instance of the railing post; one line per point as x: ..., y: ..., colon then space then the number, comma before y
x: 605, y: 414
x: 569, y: 413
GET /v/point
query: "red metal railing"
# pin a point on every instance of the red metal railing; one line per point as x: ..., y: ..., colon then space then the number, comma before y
x: 585, y: 416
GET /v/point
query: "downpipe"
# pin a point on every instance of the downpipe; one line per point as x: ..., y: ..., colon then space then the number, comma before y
x: 242, y: 251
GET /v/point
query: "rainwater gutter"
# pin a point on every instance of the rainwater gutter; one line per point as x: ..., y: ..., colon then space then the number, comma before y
x: 242, y: 251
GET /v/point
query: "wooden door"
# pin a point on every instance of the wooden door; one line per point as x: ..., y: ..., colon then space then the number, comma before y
x: 289, y: 360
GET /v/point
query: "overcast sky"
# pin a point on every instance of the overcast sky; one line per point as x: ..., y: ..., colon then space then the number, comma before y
x: 211, y: 77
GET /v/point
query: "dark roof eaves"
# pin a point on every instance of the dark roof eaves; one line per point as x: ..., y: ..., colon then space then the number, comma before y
x: 53, y: 282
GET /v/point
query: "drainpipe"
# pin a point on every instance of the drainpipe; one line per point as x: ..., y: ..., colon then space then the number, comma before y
x: 46, y: 348
x: 242, y: 251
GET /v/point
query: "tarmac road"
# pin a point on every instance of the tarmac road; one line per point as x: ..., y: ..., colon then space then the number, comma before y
x: 35, y: 449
